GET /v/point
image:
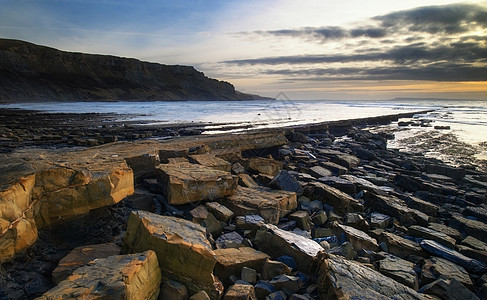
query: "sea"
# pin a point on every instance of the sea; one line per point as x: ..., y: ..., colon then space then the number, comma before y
x: 467, y: 119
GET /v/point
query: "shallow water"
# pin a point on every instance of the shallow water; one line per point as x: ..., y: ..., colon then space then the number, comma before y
x: 467, y: 119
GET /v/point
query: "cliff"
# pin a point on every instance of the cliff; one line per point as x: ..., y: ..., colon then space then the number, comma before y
x: 33, y: 73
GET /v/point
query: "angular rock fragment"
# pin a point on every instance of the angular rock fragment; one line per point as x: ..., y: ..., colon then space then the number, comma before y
x: 219, y: 211
x: 173, y: 290
x: 182, y: 249
x: 452, y: 232
x: 400, y: 270
x: 272, y: 268
x: 448, y: 289
x: 277, y: 242
x: 229, y: 240
x: 426, y: 233
x: 132, y: 276
x: 435, y: 267
x: 378, y: 220
x: 318, y: 172
x: 230, y: 261
x: 474, y: 228
x: 396, y: 208
x: 341, y: 202
x: 284, y: 181
x: 400, y: 246
x: 359, y: 239
x: 302, y: 218
x: 240, y: 292
x: 343, y: 279
x: 185, y: 183
x: 453, y: 172
x: 265, y: 166
x: 469, y: 264
x: 270, y: 204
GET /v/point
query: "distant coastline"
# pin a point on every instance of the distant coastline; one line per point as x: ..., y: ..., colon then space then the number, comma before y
x: 33, y: 73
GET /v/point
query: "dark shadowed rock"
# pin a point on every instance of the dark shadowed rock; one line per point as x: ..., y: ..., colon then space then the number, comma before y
x: 400, y: 270
x: 469, y: 264
x: 284, y: 181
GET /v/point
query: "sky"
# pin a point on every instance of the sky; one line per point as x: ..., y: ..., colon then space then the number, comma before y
x: 307, y: 49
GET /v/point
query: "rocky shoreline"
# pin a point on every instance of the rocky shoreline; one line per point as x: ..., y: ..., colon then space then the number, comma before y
x: 323, y: 211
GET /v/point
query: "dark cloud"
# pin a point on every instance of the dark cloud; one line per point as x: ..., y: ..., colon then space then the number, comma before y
x: 420, y: 52
x: 450, y: 72
x: 426, y: 43
x: 449, y: 19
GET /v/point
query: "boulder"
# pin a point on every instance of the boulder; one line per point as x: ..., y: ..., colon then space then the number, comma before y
x: 270, y: 204
x: 246, y: 181
x: 344, y: 279
x: 452, y: 172
x: 230, y: 261
x: 436, y: 267
x: 444, y: 288
x: 359, y: 239
x: 186, y: 183
x: 249, y: 275
x: 211, y: 161
x: 318, y: 172
x: 430, y: 234
x: 342, y: 184
x: 219, y: 211
x: 452, y: 232
x: 396, y: 208
x: 400, y: 246
x: 347, y: 160
x: 132, y: 276
x: 240, y: 292
x: 468, y: 263
x: 265, y: 166
x: 284, y: 181
x: 173, y: 290
x: 249, y: 222
x: 182, y: 249
x: 302, y: 218
x: 474, y: 228
x: 400, y: 270
x: 201, y: 295
x: 44, y: 195
x: 362, y: 184
x: 288, y: 283
x: 426, y: 207
x: 272, y: 268
x: 341, y: 202
x: 335, y: 169
x: 378, y: 220
x: 80, y: 256
x: 277, y: 242
x: 229, y: 240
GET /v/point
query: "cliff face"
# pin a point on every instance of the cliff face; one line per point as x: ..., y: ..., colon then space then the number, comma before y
x: 29, y: 72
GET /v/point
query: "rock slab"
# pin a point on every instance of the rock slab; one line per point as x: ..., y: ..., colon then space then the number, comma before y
x: 132, y: 276
x: 186, y: 183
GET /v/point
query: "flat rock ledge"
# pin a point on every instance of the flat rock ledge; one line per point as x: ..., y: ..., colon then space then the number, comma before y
x: 132, y: 276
